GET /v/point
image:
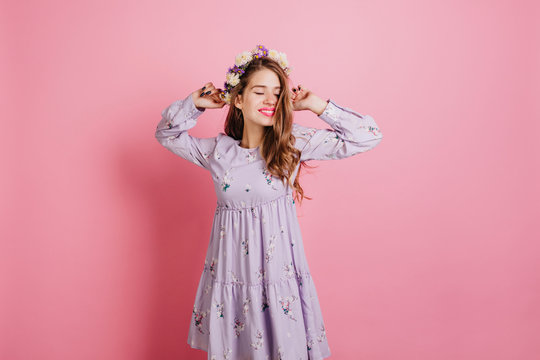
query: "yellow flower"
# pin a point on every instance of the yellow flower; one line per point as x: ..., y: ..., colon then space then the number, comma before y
x: 226, y: 97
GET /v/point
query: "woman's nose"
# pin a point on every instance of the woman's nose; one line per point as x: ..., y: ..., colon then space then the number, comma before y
x: 270, y: 100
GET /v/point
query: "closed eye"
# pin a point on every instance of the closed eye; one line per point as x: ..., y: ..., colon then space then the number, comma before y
x: 263, y: 94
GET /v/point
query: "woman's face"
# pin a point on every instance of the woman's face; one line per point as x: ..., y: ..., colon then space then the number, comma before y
x: 262, y: 93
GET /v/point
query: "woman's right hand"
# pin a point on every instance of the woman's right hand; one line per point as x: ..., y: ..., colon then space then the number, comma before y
x: 210, y: 98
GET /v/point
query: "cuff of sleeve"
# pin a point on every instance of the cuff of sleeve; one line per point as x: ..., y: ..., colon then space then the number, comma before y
x: 330, y: 113
x: 191, y: 108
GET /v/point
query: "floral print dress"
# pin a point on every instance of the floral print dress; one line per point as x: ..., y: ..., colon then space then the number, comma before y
x: 256, y: 298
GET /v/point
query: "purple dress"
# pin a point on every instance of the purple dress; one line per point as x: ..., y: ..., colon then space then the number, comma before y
x: 256, y: 298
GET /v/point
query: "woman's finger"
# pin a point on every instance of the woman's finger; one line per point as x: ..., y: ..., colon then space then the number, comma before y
x: 206, y: 88
x: 294, y: 92
x: 202, y: 91
x: 214, y: 94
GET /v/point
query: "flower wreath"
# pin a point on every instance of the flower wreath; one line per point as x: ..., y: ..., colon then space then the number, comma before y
x: 242, y: 61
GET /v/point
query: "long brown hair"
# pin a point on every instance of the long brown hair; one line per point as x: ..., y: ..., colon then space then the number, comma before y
x: 277, y: 148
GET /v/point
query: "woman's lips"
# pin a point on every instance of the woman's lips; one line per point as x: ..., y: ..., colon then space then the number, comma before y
x: 267, y: 113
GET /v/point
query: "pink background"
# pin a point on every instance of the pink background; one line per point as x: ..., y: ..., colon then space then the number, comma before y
x: 426, y: 247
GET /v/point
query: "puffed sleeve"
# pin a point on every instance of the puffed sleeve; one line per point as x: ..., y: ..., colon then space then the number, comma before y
x: 172, y: 132
x: 351, y: 134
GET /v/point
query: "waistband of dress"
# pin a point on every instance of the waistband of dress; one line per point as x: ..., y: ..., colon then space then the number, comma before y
x: 222, y: 207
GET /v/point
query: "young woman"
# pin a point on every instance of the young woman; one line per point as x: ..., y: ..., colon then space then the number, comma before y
x: 256, y: 298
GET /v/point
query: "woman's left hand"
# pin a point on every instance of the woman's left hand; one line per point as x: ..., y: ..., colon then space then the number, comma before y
x: 305, y: 99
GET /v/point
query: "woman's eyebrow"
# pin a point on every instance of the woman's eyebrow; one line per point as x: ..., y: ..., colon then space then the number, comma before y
x: 275, y: 87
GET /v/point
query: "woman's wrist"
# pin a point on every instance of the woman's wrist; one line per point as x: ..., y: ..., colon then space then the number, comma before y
x: 319, y: 106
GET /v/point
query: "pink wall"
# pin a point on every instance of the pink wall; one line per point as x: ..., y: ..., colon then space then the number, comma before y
x: 424, y: 248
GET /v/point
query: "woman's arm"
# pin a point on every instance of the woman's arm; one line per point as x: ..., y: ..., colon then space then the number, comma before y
x: 351, y: 134
x: 171, y: 132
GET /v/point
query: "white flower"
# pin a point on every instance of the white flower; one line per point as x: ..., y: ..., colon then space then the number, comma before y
x: 283, y: 62
x: 243, y: 58
x: 273, y: 54
x: 233, y: 78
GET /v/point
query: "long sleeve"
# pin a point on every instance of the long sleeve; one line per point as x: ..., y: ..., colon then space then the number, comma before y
x: 351, y: 134
x: 172, y: 132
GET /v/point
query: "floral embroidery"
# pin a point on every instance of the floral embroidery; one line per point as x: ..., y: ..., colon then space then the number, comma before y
x: 243, y: 203
x: 221, y: 232
x: 239, y: 325
x: 286, y: 305
x: 269, y: 178
x: 226, y: 353
x: 248, y: 187
x: 331, y: 111
x: 269, y: 254
x: 213, y: 266
x: 299, y: 278
x: 235, y: 279
x: 309, y: 132
x: 261, y: 274
x: 245, y: 307
x: 322, y: 337
x: 219, y: 310
x: 280, y: 353
x: 259, y: 340
x: 207, y: 288
x: 372, y: 129
x: 198, y: 317
x: 251, y: 156
x: 331, y: 138
x: 245, y: 246
x: 289, y: 271
x: 264, y: 304
x: 227, y: 180
x: 310, y: 343
x: 282, y: 228
x: 217, y: 155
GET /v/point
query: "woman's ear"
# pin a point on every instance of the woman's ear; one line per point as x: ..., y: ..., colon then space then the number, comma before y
x: 238, y: 101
